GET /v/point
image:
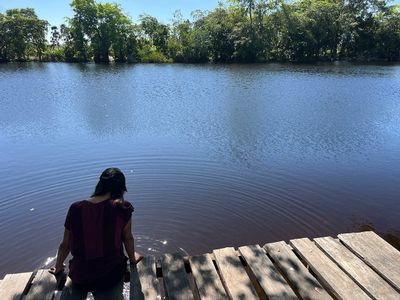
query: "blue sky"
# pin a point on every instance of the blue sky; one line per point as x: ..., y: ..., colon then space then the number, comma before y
x: 54, y: 11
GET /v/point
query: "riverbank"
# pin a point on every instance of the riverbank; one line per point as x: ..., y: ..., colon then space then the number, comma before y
x: 111, y: 60
x: 234, y: 31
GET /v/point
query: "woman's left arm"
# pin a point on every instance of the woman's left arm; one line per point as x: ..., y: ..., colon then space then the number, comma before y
x: 63, y: 251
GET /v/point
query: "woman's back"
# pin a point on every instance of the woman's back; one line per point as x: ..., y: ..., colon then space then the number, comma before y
x: 95, y: 232
x: 96, y: 238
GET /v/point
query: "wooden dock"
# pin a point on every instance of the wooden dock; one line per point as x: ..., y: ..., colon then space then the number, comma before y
x: 352, y: 266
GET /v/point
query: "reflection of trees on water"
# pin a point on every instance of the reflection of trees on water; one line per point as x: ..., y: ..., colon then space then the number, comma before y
x: 105, y: 99
x: 240, y: 113
x: 29, y: 106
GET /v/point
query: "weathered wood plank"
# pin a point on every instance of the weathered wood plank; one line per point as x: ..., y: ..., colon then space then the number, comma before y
x: 269, y: 278
x: 377, y: 253
x: 43, y: 286
x: 375, y: 286
x: 175, y: 277
x: 233, y: 274
x: 206, y: 277
x: 14, y: 286
x: 334, y: 279
x: 144, y: 283
x: 304, y: 283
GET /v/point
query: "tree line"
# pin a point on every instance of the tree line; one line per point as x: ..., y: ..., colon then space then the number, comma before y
x: 235, y: 31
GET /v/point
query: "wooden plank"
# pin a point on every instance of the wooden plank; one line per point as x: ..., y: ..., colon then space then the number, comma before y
x: 14, y: 286
x: 269, y: 278
x: 206, y: 277
x: 238, y: 284
x: 334, y: 279
x: 304, y: 283
x: 143, y: 279
x: 175, y: 277
x: 43, y: 286
x: 377, y: 253
x: 375, y: 286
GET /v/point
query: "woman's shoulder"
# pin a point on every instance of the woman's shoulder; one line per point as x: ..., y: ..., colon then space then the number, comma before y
x: 122, y: 205
x: 77, y: 204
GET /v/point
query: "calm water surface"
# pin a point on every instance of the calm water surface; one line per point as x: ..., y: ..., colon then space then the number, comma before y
x: 214, y: 155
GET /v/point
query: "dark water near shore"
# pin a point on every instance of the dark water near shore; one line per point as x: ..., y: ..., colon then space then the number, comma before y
x: 214, y: 155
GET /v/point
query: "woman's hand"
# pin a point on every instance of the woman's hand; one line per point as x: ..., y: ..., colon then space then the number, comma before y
x: 56, y: 270
x: 138, y: 258
x: 63, y: 251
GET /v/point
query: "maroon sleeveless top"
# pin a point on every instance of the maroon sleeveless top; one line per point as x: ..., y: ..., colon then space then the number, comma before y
x: 96, y: 242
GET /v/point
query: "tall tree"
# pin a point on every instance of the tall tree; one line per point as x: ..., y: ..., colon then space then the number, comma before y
x: 23, y: 34
x: 82, y: 27
x: 111, y: 30
x: 103, y: 26
x: 157, y: 32
x: 4, y: 39
x: 219, y: 30
x: 387, y: 34
x: 55, y: 37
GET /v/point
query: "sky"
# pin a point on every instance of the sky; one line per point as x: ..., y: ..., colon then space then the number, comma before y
x: 55, y: 11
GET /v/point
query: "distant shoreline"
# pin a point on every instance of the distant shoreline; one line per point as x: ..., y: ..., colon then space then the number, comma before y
x: 320, y: 62
x: 300, y: 31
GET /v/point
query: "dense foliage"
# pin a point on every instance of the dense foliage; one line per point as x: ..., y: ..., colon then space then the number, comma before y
x: 235, y: 31
x: 22, y: 35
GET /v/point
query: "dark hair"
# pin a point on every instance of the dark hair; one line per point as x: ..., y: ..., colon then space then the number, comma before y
x: 112, y: 180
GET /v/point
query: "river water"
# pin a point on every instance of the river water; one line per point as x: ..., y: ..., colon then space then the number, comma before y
x: 214, y: 155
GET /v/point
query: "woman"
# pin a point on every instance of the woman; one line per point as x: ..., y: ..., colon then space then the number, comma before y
x: 95, y: 230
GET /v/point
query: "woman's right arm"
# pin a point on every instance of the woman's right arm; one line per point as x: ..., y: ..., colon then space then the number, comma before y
x: 129, y: 243
x: 63, y: 251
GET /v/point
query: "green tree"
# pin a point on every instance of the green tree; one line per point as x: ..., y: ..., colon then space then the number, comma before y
x: 55, y: 37
x: 219, y: 30
x: 99, y: 28
x: 111, y: 31
x: 320, y: 24
x: 359, y: 24
x: 188, y: 40
x: 23, y: 35
x: 199, y: 43
x: 156, y: 32
x: 387, y: 34
x: 68, y: 43
x: 81, y: 28
x: 4, y: 39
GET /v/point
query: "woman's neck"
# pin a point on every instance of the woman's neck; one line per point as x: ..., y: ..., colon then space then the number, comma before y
x: 100, y: 198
